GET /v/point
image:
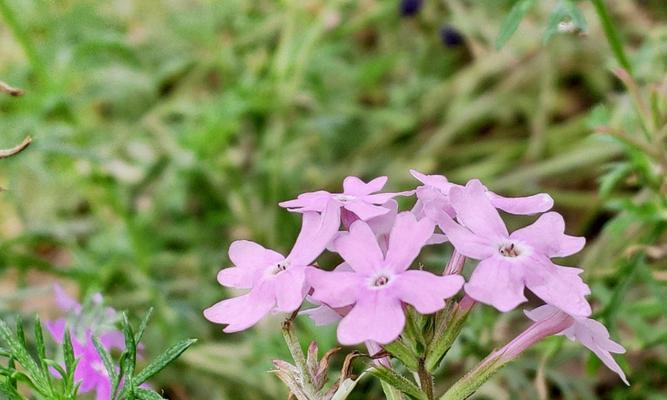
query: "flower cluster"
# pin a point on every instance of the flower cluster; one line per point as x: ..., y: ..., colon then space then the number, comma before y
x: 367, y: 293
x: 84, y: 323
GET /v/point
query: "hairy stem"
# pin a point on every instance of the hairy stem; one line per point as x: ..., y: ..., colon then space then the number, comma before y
x: 297, y: 352
x: 425, y: 380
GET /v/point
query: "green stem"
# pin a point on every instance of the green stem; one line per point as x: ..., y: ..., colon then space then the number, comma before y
x: 23, y: 38
x: 447, y: 332
x: 425, y: 380
x: 612, y: 34
x: 297, y: 353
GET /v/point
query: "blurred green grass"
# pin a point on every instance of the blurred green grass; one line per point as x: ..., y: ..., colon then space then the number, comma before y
x: 166, y: 129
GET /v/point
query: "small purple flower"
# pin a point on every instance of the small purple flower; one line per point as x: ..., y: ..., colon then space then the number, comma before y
x: 379, y: 284
x: 358, y: 197
x: 276, y: 282
x: 509, y: 263
x: 409, y: 8
x: 433, y: 198
x: 90, y: 370
x: 450, y: 36
x: 589, y: 332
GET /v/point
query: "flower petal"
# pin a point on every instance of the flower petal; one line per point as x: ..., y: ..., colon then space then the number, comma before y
x: 355, y: 186
x: 465, y: 242
x: 242, y: 312
x: 475, y: 211
x: 311, y: 201
x: 360, y: 249
x: 336, y: 289
x: 290, y: 288
x: 437, y: 181
x: 557, y: 286
x: 364, y: 210
x: 375, y: 317
x: 240, y: 278
x: 406, y: 240
x: 317, y: 230
x: 498, y: 283
x: 546, y: 236
x: 426, y: 291
x: 322, y: 315
x: 534, y: 204
x: 247, y: 254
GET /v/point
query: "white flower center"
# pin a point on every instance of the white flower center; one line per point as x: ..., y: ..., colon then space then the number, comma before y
x: 275, y: 269
x: 510, y: 249
x: 380, y: 280
x: 343, y: 197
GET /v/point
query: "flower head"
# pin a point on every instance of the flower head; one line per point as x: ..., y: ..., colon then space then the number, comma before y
x: 276, y: 282
x: 358, y: 197
x: 511, y: 262
x: 589, y: 332
x: 380, y: 283
x: 90, y: 370
x: 433, y: 198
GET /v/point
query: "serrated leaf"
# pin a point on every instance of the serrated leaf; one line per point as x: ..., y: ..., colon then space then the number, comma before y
x: 106, y: 359
x: 163, y: 360
x: 142, y: 326
x: 398, y: 381
x: 20, y: 353
x: 512, y: 21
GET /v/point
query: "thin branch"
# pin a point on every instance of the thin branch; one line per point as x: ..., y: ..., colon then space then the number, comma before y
x: 17, y: 149
x: 10, y: 90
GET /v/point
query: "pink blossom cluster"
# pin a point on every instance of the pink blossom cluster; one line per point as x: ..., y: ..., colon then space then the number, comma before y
x: 90, y: 371
x: 377, y: 277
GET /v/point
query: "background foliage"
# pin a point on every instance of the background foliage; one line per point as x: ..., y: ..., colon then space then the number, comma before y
x: 166, y: 129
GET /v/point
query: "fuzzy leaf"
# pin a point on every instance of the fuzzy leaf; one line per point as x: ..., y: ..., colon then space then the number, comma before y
x: 145, y: 394
x: 398, y: 381
x: 163, y: 360
x: 142, y: 326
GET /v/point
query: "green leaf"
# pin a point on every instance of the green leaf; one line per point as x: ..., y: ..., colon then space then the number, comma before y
x: 142, y: 327
x: 39, y: 342
x: 346, y: 388
x: 130, y: 359
x: 68, y: 352
x: 398, y: 381
x: 144, y: 394
x: 512, y: 21
x: 20, y: 353
x: 404, y: 354
x: 163, y: 360
x: 106, y: 359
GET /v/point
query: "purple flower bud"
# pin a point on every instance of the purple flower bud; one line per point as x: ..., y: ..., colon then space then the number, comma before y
x: 409, y: 8
x: 450, y: 36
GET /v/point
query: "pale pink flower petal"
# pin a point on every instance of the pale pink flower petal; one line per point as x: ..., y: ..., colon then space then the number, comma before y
x: 317, y: 230
x: 550, y: 282
x: 547, y: 236
x: 336, y: 288
x: 365, y: 211
x: 291, y: 288
x: 498, y: 283
x: 242, y: 312
x: 247, y: 254
x: 425, y: 291
x: 312, y: 201
x: 322, y: 315
x: 534, y: 204
x: 589, y: 332
x: 375, y: 317
x: 240, y: 278
x: 406, y: 240
x: 65, y: 301
x: 474, y: 210
x: 466, y: 242
x: 355, y: 186
x: 360, y: 249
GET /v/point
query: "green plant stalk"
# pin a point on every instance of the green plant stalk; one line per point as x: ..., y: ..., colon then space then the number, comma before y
x: 467, y: 385
x: 612, y: 34
x: 297, y: 353
x: 425, y: 380
x: 24, y: 39
x: 450, y: 328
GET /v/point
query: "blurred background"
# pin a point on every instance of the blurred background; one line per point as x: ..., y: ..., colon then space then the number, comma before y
x: 164, y: 130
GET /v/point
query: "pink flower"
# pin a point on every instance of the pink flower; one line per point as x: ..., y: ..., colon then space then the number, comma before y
x: 90, y: 370
x: 586, y: 331
x: 509, y: 263
x: 433, y: 196
x: 379, y: 284
x: 358, y: 197
x: 276, y: 282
